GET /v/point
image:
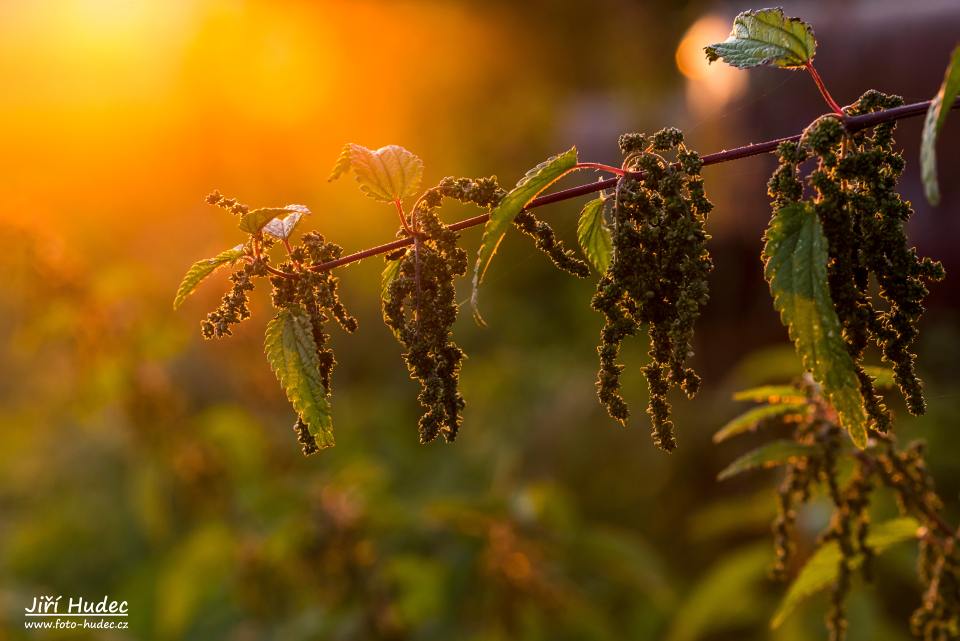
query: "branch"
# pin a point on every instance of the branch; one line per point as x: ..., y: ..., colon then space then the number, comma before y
x: 853, y: 123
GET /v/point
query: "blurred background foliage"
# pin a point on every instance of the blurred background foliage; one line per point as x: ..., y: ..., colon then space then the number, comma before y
x: 139, y: 462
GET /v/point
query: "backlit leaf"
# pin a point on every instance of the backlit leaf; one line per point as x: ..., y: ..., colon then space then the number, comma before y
x: 882, y: 376
x: 594, y: 235
x: 282, y: 227
x: 387, y: 174
x: 292, y: 354
x: 390, y: 273
x: 820, y: 570
x: 770, y: 455
x: 937, y: 112
x: 255, y: 220
x: 201, y: 269
x: 766, y: 37
x: 771, y: 394
x: 750, y: 419
x: 533, y: 182
x: 795, y: 256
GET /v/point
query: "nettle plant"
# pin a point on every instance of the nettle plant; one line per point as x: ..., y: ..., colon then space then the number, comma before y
x: 840, y: 271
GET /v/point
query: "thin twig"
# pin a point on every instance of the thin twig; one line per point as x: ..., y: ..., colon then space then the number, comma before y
x: 853, y: 123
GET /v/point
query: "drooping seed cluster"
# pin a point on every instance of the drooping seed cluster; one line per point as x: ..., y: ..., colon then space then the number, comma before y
x: 657, y: 275
x: 855, y: 197
x: 799, y: 480
x: 486, y: 193
x: 421, y: 306
x: 546, y: 241
x: 316, y: 293
x: 235, y: 305
x: 230, y: 204
x: 938, y: 616
x: 849, y: 524
x: 881, y: 464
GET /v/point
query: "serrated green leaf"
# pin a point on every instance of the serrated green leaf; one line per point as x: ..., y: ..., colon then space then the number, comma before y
x: 795, y: 257
x: 292, y: 354
x: 769, y: 455
x: 771, y: 394
x: 201, y: 269
x: 594, y: 235
x: 390, y: 273
x: 253, y: 221
x: 531, y: 185
x: 937, y: 112
x: 387, y: 174
x: 882, y: 376
x: 820, y: 571
x: 766, y: 37
x: 750, y: 419
x: 282, y: 227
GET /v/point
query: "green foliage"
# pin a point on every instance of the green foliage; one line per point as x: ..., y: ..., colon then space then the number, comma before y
x: 203, y: 268
x: 851, y: 542
x: 255, y: 221
x: 795, y: 256
x: 594, y: 235
x: 770, y: 394
x: 771, y: 454
x: 940, y: 107
x: 881, y: 376
x: 532, y: 184
x: 387, y: 174
x: 292, y: 353
x: 390, y: 271
x: 820, y: 569
x: 751, y: 419
x: 766, y: 37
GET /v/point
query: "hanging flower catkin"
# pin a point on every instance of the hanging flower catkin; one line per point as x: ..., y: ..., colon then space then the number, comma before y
x: 658, y: 273
x: 862, y: 214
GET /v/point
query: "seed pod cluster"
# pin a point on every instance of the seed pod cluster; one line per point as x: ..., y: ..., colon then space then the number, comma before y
x: 862, y: 215
x: 315, y: 292
x: 546, y: 241
x: 800, y: 477
x: 849, y: 524
x: 420, y: 307
x: 486, y: 192
x: 938, y: 616
x: 882, y: 464
x: 233, y: 206
x: 235, y: 305
x: 657, y: 275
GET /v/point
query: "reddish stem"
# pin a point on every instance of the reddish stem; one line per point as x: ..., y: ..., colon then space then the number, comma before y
x: 601, y: 167
x: 286, y: 244
x: 823, y: 89
x: 277, y: 272
x: 403, y: 217
x: 852, y: 123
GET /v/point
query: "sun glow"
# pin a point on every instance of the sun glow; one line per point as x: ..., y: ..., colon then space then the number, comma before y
x: 709, y: 87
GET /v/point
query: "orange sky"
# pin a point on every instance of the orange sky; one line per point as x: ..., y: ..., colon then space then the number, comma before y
x: 120, y: 110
